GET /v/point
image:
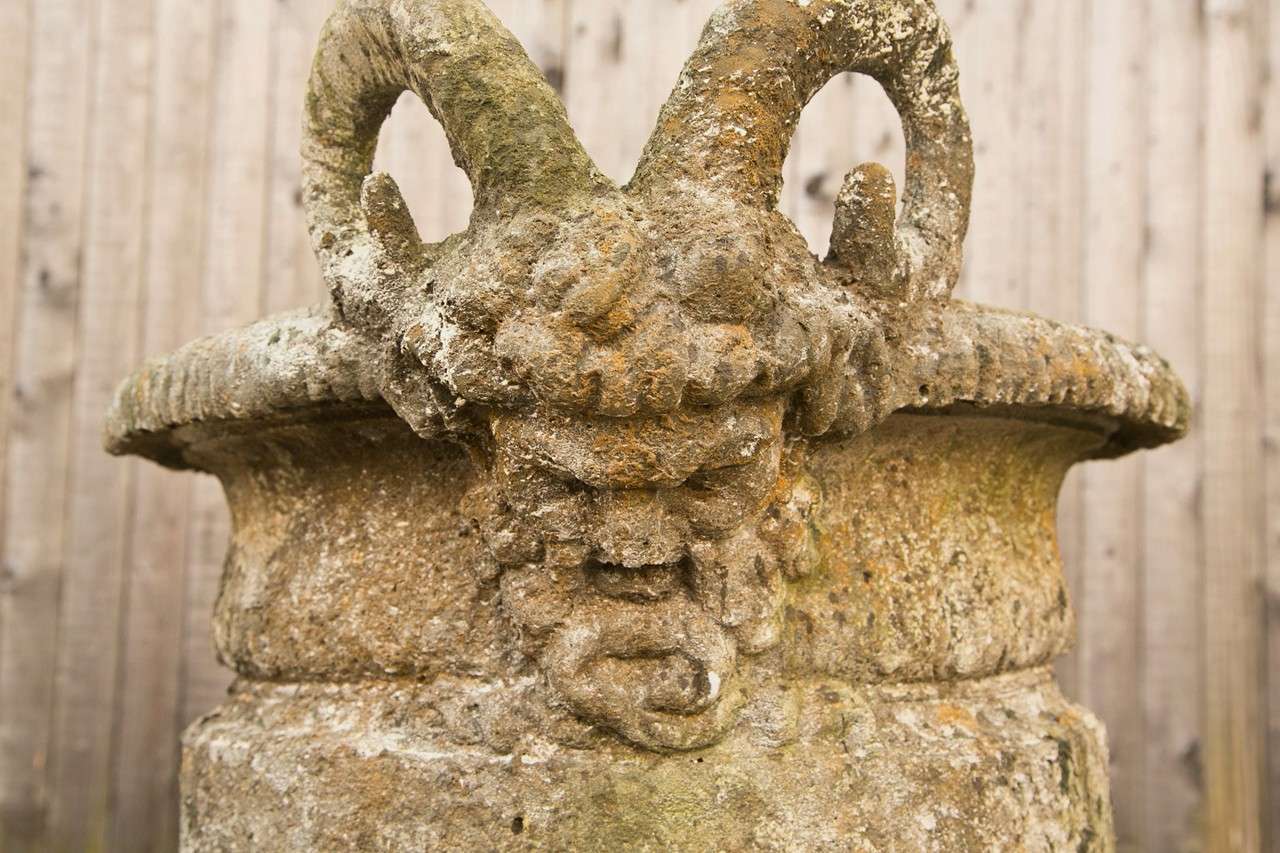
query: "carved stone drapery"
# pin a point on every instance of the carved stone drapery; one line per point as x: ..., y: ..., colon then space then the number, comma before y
x: 619, y: 519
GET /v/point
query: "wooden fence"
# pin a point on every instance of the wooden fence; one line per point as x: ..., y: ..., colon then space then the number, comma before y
x: 149, y: 193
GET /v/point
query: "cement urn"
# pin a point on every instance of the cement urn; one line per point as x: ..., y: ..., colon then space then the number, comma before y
x: 620, y: 521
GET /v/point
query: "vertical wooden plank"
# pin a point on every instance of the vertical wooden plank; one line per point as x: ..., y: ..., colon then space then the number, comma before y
x: 541, y: 26
x: 40, y: 430
x: 1053, y: 36
x: 1171, y: 547
x: 608, y: 89
x: 292, y: 275
x: 986, y: 44
x: 1231, y: 423
x: 1043, y: 136
x: 1271, y: 436
x: 204, y: 680
x: 622, y: 61
x: 15, y: 32
x: 231, y: 294
x: 825, y: 148
x: 100, y: 489
x: 146, y: 752
x: 1114, y: 235
x: 16, y: 23
x: 1064, y: 299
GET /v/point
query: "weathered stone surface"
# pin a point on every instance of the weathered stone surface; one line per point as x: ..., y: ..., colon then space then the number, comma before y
x: 385, y: 701
x: 1004, y: 764
x: 966, y: 354
x: 620, y: 520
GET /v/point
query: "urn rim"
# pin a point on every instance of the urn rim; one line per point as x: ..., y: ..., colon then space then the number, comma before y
x: 304, y: 363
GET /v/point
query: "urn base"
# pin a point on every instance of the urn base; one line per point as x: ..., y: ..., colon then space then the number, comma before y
x: 1003, y: 763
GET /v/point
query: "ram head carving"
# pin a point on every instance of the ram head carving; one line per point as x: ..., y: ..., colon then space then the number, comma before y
x: 641, y: 368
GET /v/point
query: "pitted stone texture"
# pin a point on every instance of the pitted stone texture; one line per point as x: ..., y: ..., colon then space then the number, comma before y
x: 387, y: 695
x: 991, y: 765
x: 922, y: 550
x: 967, y: 354
x: 271, y: 368
x: 620, y: 519
x: 683, y: 288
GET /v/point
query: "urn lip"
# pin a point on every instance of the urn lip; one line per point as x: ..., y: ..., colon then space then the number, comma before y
x: 304, y: 364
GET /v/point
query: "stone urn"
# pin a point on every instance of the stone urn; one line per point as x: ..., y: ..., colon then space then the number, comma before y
x: 620, y: 521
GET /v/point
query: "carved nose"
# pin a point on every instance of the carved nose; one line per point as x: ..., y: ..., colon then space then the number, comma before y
x: 636, y: 529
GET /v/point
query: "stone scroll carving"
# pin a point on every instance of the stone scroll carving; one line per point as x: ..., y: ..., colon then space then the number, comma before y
x: 639, y: 369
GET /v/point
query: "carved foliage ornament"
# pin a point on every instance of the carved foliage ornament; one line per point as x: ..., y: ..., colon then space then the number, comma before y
x: 640, y: 368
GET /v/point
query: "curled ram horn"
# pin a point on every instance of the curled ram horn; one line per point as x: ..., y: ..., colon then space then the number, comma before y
x: 506, y: 126
x: 728, y: 125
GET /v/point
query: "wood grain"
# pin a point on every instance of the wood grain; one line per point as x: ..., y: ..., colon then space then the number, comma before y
x: 602, y: 57
x: 1271, y: 434
x: 1114, y: 232
x: 15, y: 31
x: 1054, y: 35
x: 149, y: 193
x: 100, y: 492
x: 40, y: 431
x: 230, y: 293
x: 147, y: 724
x: 16, y: 24
x: 1231, y: 424
x: 1172, y: 577
x: 292, y: 278
x: 986, y: 49
x: 1045, y: 161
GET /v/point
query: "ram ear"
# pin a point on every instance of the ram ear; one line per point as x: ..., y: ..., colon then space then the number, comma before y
x: 506, y: 127
x: 729, y: 122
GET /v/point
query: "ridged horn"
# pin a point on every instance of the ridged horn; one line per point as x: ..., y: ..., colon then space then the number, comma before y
x: 506, y: 127
x: 729, y: 122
